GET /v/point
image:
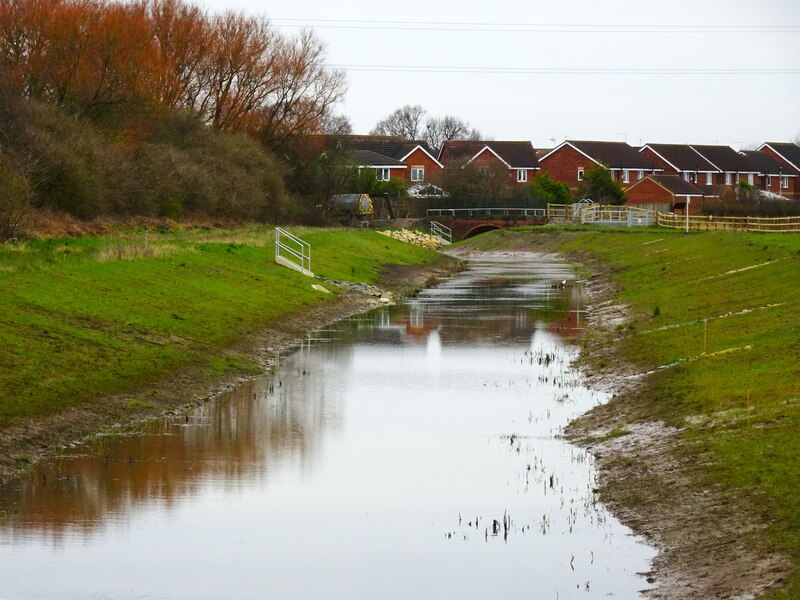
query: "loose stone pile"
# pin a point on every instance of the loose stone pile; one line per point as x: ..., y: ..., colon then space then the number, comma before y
x: 417, y: 238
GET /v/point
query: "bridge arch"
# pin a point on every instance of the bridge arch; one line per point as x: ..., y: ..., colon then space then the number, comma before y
x: 479, y: 229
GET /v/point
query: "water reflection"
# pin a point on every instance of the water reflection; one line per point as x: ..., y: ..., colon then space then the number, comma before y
x: 411, y: 452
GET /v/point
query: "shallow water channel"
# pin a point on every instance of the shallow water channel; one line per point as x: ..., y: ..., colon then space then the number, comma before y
x: 412, y: 452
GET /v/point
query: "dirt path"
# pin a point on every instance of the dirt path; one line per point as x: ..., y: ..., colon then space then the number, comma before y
x: 30, y: 440
x: 710, y: 543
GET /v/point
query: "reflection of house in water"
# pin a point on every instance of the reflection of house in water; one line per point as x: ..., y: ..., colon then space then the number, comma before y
x: 570, y: 321
x: 523, y: 308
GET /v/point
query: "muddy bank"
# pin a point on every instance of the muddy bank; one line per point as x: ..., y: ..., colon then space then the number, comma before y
x: 25, y: 442
x: 710, y: 542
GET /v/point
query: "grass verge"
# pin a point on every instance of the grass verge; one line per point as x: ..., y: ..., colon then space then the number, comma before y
x: 85, y: 318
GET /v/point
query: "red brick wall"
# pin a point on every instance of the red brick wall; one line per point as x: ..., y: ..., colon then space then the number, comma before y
x: 487, y: 159
x: 563, y: 165
x: 647, y: 192
x: 792, y: 191
x: 668, y: 170
x: 433, y: 173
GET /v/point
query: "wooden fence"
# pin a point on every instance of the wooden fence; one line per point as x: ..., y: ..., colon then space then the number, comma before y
x: 711, y: 223
x: 630, y: 216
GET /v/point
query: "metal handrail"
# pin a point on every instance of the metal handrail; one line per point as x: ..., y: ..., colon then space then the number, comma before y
x: 454, y: 212
x: 301, y: 251
x: 442, y: 231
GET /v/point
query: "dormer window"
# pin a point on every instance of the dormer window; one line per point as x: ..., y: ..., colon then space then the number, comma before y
x: 522, y: 175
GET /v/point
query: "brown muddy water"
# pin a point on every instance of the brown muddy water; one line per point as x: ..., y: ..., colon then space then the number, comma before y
x: 412, y: 452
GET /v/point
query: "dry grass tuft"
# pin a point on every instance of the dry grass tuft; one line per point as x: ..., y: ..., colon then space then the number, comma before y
x: 140, y: 249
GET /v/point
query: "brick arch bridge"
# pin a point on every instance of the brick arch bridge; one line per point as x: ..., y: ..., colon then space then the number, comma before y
x: 468, y: 224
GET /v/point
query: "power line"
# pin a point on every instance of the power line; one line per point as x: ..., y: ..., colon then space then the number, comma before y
x: 563, y: 70
x: 533, y: 27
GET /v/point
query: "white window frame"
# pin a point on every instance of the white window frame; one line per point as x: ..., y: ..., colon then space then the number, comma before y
x: 728, y: 178
x: 522, y: 175
x: 709, y: 178
x: 686, y: 175
x: 417, y: 173
x: 383, y: 174
x: 751, y: 178
x: 580, y: 174
x: 785, y: 182
x: 626, y: 176
x: 640, y: 176
x: 769, y: 181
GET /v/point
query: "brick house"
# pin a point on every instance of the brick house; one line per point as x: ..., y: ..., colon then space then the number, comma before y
x: 385, y: 167
x: 518, y: 158
x: 569, y: 161
x: 682, y: 160
x: 731, y: 166
x: 420, y: 164
x: 773, y: 176
x: 666, y: 193
x: 788, y: 156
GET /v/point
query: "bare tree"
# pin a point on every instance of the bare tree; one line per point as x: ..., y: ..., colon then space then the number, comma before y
x: 337, y: 125
x: 15, y: 193
x: 405, y: 122
x: 304, y: 93
x: 440, y: 130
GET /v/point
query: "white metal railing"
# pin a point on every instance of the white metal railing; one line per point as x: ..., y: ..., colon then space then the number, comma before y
x: 624, y: 216
x: 443, y: 232
x: 486, y: 212
x: 292, y: 252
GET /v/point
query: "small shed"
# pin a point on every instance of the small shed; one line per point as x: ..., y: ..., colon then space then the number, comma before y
x: 665, y: 193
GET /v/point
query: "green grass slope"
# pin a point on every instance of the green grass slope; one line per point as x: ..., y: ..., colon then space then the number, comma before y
x: 729, y: 306
x: 82, y: 318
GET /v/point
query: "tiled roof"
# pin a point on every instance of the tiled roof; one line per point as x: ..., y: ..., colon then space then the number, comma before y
x: 726, y: 158
x: 682, y: 157
x: 765, y: 163
x: 615, y: 155
x: 677, y: 185
x: 518, y: 155
x: 367, y: 158
x: 393, y: 147
x: 787, y: 150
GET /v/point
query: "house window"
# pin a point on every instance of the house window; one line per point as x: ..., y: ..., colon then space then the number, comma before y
x: 626, y: 176
x: 769, y: 181
x: 709, y: 179
x: 522, y: 175
x: 750, y: 178
x: 785, y: 183
x: 384, y: 174
x: 417, y: 173
x: 728, y: 178
x: 640, y: 176
x: 580, y: 174
x: 686, y: 175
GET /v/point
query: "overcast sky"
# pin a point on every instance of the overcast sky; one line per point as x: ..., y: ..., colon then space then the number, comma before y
x: 702, y: 107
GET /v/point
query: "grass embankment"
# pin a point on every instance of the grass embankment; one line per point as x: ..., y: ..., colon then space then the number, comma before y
x: 86, y: 318
x: 728, y: 305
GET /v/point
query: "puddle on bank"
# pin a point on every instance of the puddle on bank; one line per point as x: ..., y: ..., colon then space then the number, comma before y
x: 413, y: 452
